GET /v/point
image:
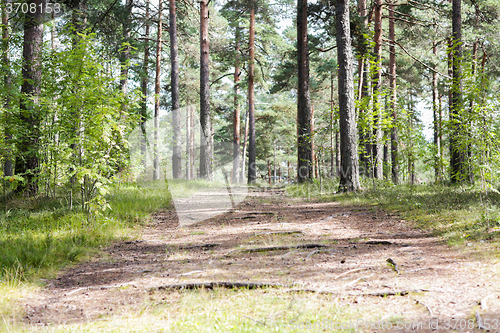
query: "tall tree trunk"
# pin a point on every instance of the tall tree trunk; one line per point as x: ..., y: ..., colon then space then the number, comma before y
x: 125, y: 53
x: 305, y: 161
x: 27, y: 161
x: 236, y: 114
x: 386, y: 166
x: 392, y: 97
x: 8, y: 163
x: 458, y: 158
x: 312, y: 170
x: 252, y: 168
x: 269, y: 178
x: 349, y: 173
x: 174, y: 83
x: 156, y: 157
x: 244, y: 150
x: 333, y: 131
x: 435, y: 112
x: 206, y: 132
x: 363, y: 94
x: 377, y: 84
x: 144, y: 89
x: 190, y: 143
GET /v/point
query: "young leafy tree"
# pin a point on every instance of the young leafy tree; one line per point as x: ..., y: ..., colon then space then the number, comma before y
x: 349, y: 173
x: 27, y: 160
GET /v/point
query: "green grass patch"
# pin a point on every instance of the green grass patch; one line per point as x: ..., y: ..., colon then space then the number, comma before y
x: 41, y: 235
x: 38, y: 239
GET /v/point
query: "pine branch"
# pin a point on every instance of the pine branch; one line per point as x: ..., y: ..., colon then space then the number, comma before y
x: 415, y: 58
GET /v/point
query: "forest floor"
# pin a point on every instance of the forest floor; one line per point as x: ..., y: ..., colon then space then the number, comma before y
x: 344, y: 258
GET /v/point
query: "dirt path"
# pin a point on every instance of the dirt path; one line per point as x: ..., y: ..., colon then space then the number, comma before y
x: 437, y: 283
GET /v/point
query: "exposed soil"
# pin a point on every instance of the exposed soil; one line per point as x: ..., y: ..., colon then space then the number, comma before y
x: 432, y: 281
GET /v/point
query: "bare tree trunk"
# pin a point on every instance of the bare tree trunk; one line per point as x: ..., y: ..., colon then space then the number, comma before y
x: 377, y: 83
x: 337, y: 149
x: 274, y: 163
x: 191, y: 144
x: 435, y: 112
x: 393, y: 97
x: 312, y: 172
x: 188, y: 142
x: 206, y: 132
x: 144, y: 88
x: 386, y: 165
x: 8, y: 163
x: 269, y: 172
x: 125, y: 53
x: 349, y: 173
x: 252, y: 171
x: 156, y: 157
x: 27, y: 163
x: 244, y: 150
x: 236, y: 115
x: 332, y: 129
x: 174, y: 85
x: 305, y: 158
x: 458, y: 158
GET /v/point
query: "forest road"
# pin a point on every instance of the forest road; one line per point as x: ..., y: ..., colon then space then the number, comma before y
x: 368, y: 259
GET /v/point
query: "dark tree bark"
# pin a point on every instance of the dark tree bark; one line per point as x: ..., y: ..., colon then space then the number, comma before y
x: 236, y: 114
x: 206, y: 132
x: 8, y: 165
x: 392, y: 97
x: 174, y: 83
x: 436, y: 120
x: 304, y: 165
x: 144, y: 88
x: 27, y: 161
x: 156, y: 157
x: 377, y: 84
x: 349, y: 173
x: 252, y: 168
x: 125, y: 53
x: 458, y: 156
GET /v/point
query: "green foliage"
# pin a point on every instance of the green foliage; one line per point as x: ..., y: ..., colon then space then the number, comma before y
x: 38, y: 236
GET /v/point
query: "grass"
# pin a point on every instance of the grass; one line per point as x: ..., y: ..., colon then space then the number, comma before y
x: 40, y: 236
x: 460, y: 214
x: 220, y: 310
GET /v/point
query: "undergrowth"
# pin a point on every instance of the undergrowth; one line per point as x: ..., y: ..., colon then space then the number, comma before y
x: 39, y: 236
